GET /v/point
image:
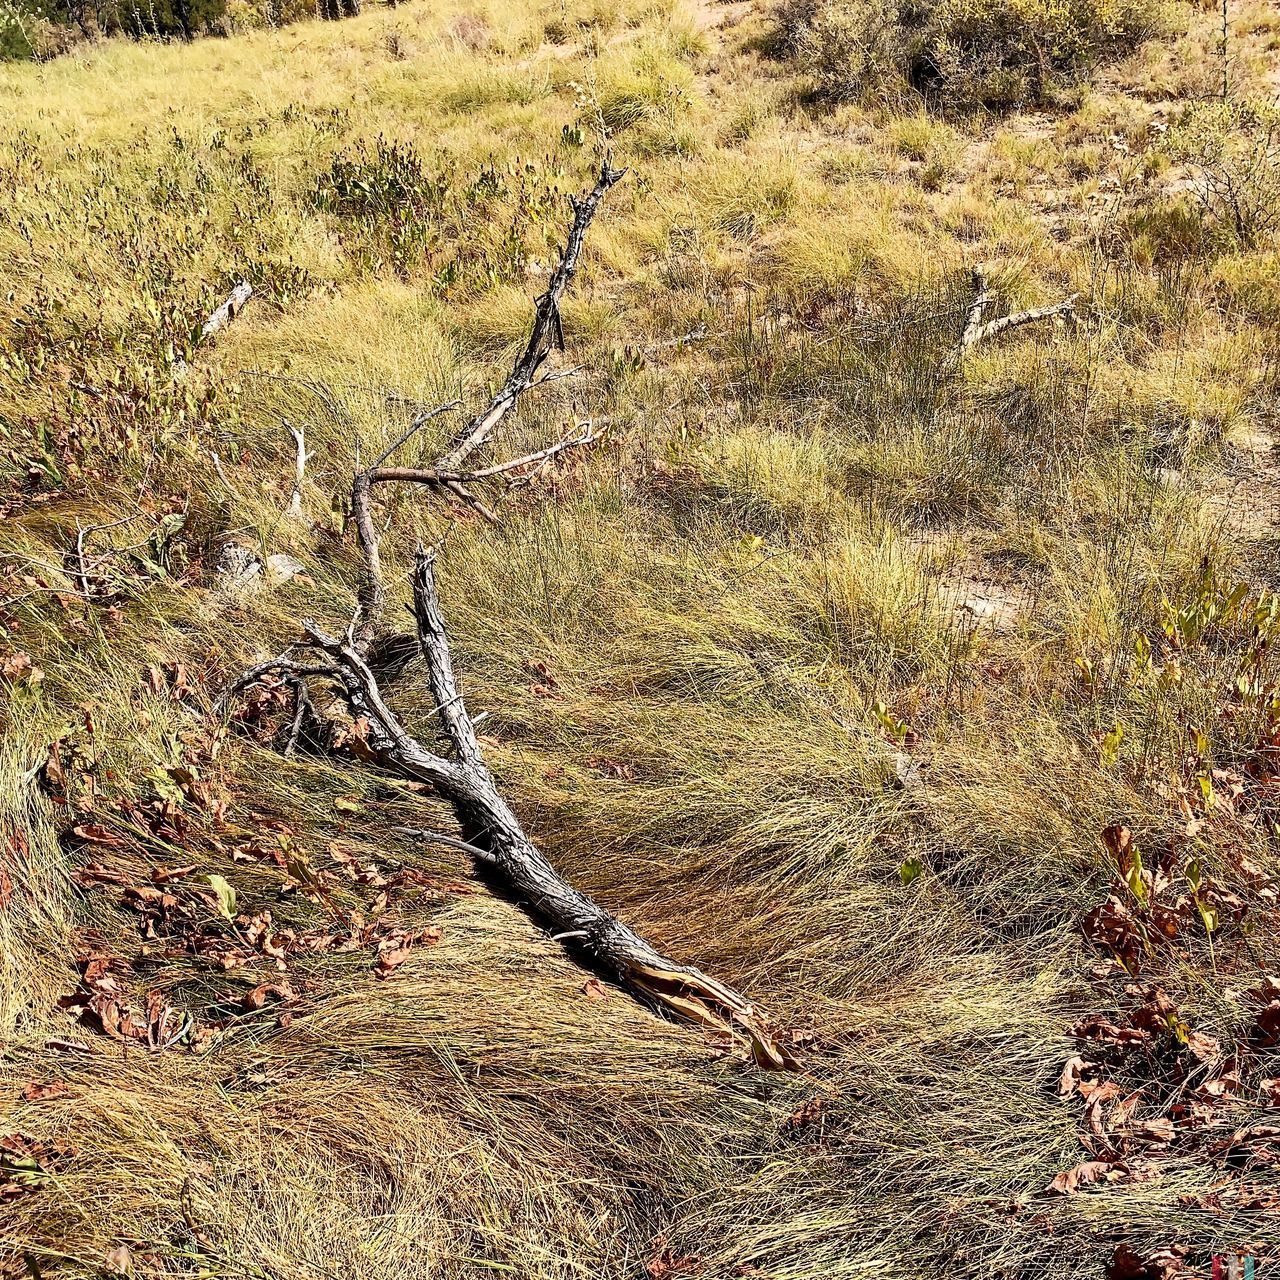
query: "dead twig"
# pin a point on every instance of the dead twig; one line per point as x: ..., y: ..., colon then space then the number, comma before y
x: 294, y: 510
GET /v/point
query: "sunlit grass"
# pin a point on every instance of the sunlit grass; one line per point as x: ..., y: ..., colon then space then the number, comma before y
x: 731, y: 674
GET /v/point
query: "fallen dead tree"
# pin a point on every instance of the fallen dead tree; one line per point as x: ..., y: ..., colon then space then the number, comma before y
x: 490, y: 831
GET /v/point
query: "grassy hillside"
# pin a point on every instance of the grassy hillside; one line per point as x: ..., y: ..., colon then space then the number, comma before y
x: 930, y: 701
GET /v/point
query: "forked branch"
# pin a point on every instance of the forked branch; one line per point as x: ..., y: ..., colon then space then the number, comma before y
x: 492, y: 834
x: 546, y: 331
x: 448, y: 472
x: 977, y: 330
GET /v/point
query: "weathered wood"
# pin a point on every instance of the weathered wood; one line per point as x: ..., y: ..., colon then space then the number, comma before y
x: 494, y: 836
x: 977, y: 330
x: 228, y: 311
x: 490, y: 831
x: 302, y: 457
x: 448, y: 473
x: 546, y: 330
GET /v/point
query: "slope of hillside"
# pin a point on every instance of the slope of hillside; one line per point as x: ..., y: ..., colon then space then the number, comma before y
x: 926, y: 695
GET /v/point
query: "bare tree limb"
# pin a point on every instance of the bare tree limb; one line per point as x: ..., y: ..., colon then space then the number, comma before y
x: 488, y: 822
x: 1033, y: 315
x: 546, y: 330
x: 977, y: 331
x: 983, y: 298
x: 430, y: 475
x: 419, y: 421
x: 300, y: 469
x: 228, y: 311
x: 490, y: 831
x: 447, y: 473
x: 494, y: 836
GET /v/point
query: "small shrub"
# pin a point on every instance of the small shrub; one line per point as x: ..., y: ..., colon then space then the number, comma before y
x: 390, y: 193
x: 962, y: 55
x: 1233, y: 149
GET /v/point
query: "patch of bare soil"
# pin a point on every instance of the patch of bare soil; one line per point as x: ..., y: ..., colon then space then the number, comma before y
x: 1246, y: 496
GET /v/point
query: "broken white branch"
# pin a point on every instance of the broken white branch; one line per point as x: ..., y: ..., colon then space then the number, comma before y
x: 294, y: 509
x: 977, y: 330
x: 228, y: 311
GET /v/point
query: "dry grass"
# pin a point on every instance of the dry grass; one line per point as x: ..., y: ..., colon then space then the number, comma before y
x: 745, y: 598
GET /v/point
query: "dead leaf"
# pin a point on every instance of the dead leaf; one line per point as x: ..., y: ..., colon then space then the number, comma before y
x: 1163, y: 1264
x: 1112, y: 925
x: 119, y: 1261
x: 37, y: 1091
x: 19, y: 669
x: 1069, y: 1181
x: 1266, y: 1027
x: 1158, y: 1132
x: 594, y: 989
x: 166, y: 875
x: 666, y: 1263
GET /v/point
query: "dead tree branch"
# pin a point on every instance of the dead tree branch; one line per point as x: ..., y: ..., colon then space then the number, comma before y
x: 493, y: 835
x: 294, y: 509
x: 228, y: 311
x: 977, y: 330
x: 547, y: 329
x: 489, y: 829
x: 448, y: 472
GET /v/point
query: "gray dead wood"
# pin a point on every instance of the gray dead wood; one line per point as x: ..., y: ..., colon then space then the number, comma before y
x: 494, y: 836
x: 449, y: 473
x: 228, y: 311
x: 490, y: 831
x: 977, y: 330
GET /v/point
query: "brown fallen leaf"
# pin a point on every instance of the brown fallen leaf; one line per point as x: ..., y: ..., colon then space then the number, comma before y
x: 1069, y: 1181
x: 1157, y: 1132
x: 258, y: 997
x: 1266, y: 1028
x: 37, y: 1091
x: 18, y: 668
x: 667, y: 1263
x: 1163, y: 1264
x: 594, y: 989
x: 1072, y: 1072
x: 166, y: 875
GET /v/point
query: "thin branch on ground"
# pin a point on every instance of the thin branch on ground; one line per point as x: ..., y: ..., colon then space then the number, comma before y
x: 493, y: 835
x: 977, y: 330
x: 228, y: 311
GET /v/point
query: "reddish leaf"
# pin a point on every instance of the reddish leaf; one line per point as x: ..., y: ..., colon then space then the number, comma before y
x: 259, y: 996
x: 1163, y: 1264
x: 38, y: 1092
x: 1072, y: 1071
x: 1069, y: 1181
